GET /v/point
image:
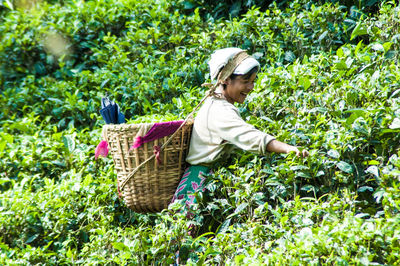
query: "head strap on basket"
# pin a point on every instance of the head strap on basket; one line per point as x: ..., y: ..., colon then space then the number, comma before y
x: 232, y: 64
x: 227, y: 70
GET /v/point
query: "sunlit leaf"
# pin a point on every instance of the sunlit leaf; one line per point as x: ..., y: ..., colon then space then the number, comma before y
x: 359, y: 30
x: 334, y: 154
x: 395, y: 124
x: 373, y: 170
x: 345, y: 167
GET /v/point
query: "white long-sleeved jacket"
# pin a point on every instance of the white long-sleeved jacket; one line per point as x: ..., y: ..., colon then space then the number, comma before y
x: 217, y: 125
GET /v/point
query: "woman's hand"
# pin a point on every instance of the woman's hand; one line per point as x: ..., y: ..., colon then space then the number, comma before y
x: 280, y: 147
x: 302, y: 153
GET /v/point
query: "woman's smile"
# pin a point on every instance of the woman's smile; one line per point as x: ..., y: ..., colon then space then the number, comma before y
x: 237, y: 89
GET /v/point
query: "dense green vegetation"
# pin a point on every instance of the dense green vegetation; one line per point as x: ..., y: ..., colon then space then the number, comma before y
x: 330, y: 82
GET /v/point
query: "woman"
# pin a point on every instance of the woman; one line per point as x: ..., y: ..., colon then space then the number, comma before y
x: 218, y: 128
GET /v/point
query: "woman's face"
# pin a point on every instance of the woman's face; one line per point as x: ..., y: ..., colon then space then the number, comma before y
x: 237, y: 89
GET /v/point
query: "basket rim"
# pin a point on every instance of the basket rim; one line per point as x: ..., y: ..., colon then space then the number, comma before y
x: 131, y: 125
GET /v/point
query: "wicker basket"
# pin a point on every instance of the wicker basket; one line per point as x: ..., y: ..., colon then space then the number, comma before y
x: 152, y: 186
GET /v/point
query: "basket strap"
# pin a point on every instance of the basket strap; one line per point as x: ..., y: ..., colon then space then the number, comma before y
x: 210, y: 92
x: 104, y: 135
x: 224, y: 74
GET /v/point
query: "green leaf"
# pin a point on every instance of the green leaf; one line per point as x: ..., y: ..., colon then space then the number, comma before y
x: 31, y: 238
x: 334, y: 154
x: 345, y: 167
x: 69, y: 143
x: 308, y: 188
x: 2, y: 145
x: 358, y: 47
x: 126, y: 255
x: 362, y: 216
x: 373, y: 170
x: 379, y: 194
x: 224, y: 226
x: 40, y: 68
x: 119, y: 246
x: 289, y: 56
x: 239, y: 259
x: 305, y: 82
x: 372, y: 162
x: 188, y: 5
x: 365, y: 188
x: 8, y: 4
x: 359, y: 30
x: 235, y: 8
x: 378, y: 47
x: 355, y: 113
x: 209, y: 251
x: 241, y: 207
x: 9, y: 138
x: 361, y: 128
x: 395, y: 124
x: 340, y: 53
x: 323, y: 36
x: 387, y: 46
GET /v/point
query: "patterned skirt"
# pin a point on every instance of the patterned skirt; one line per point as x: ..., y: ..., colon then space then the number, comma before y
x: 191, y: 182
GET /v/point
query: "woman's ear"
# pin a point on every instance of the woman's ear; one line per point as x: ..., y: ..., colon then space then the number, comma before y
x: 227, y: 81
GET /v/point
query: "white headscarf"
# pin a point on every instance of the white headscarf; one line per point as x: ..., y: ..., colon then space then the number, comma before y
x: 220, y: 58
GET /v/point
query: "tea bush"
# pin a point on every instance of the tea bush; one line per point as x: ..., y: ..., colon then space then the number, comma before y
x: 329, y: 82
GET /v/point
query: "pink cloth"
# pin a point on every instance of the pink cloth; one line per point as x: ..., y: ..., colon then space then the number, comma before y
x: 101, y: 149
x: 158, y: 130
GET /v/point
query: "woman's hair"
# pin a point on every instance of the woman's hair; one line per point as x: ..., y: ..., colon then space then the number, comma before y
x: 244, y: 76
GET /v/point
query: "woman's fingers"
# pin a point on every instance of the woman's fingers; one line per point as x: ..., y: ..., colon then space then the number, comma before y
x: 302, y: 153
x: 299, y: 152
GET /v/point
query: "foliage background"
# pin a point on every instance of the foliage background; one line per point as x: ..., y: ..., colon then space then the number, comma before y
x: 329, y: 82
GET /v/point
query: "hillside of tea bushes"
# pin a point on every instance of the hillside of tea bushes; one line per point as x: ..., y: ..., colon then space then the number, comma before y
x: 330, y: 82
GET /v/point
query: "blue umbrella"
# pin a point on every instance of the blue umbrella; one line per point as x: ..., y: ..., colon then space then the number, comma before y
x: 110, y: 112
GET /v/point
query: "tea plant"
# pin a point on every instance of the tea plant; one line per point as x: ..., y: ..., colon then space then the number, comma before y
x: 329, y: 82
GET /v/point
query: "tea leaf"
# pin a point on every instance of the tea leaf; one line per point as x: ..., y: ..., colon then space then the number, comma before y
x: 345, y: 167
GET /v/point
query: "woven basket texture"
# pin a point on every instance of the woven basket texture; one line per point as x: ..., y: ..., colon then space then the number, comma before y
x: 153, y: 185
